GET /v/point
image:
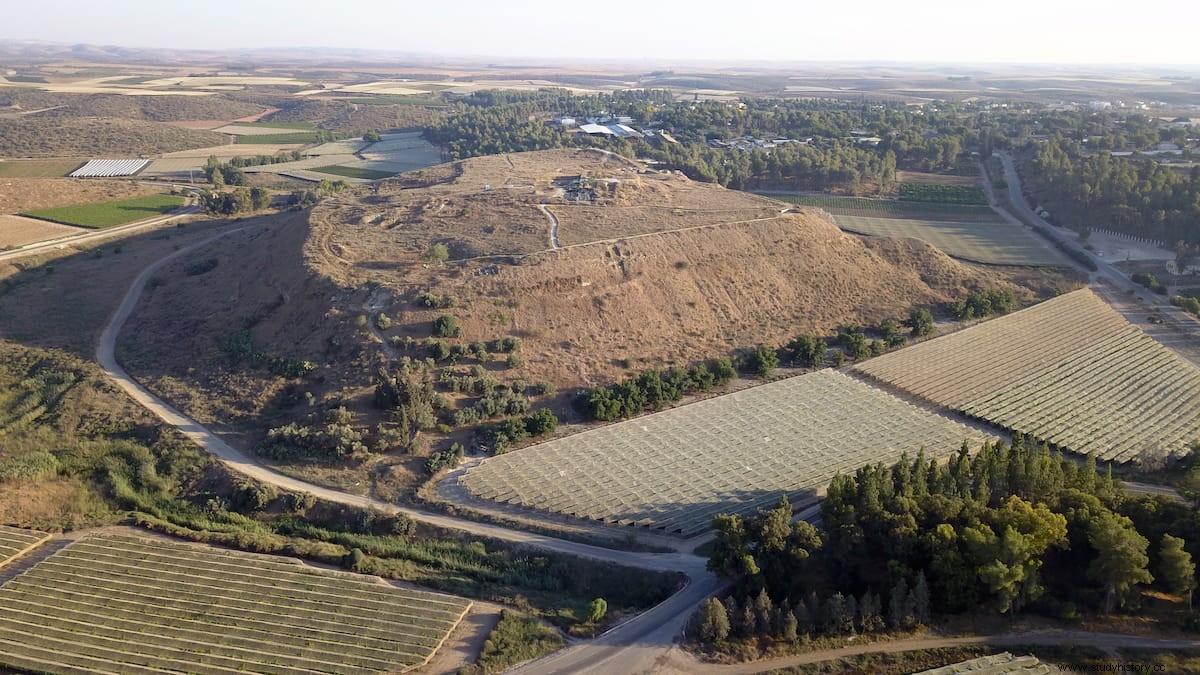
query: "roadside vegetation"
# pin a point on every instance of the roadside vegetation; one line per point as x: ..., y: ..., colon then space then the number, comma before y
x: 77, y: 453
x: 516, y: 639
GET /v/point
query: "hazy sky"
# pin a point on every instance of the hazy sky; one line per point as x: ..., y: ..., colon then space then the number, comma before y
x: 1014, y: 31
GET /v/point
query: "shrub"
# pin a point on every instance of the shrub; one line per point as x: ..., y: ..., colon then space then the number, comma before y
x: 436, y: 253
x: 542, y: 421
x: 515, y: 361
x: 446, y: 326
x: 383, y: 321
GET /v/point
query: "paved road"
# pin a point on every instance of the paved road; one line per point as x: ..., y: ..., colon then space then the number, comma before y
x: 1104, y: 269
x: 55, y: 244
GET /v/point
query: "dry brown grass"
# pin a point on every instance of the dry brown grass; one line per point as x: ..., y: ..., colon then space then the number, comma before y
x: 25, y: 194
x: 587, y: 314
x: 38, y: 136
x: 18, y: 231
x: 62, y: 299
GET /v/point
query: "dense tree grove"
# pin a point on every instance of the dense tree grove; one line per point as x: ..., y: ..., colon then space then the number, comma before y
x: 1137, y: 196
x: 1007, y: 529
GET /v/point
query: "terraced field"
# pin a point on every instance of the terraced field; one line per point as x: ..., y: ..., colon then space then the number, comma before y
x: 960, y: 367
x: 675, y: 470
x: 119, y: 604
x: 14, y: 541
x: 1120, y: 399
x: 1070, y: 371
x: 994, y: 243
x: 889, y: 208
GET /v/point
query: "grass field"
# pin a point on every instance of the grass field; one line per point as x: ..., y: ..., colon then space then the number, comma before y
x: 676, y: 469
x: 280, y: 139
x: 14, y: 541
x: 1070, y: 371
x: 122, y: 604
x: 38, y: 168
x: 109, y: 214
x: 890, y: 208
x: 353, y: 172
x: 994, y: 243
x: 943, y: 193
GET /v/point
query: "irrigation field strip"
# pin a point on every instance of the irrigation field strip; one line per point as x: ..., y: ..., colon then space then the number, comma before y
x: 954, y: 369
x: 121, y: 582
x: 1122, y: 398
x: 675, y: 469
x: 997, y: 243
x: 16, y: 542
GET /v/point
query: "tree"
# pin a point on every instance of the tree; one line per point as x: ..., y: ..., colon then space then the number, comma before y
x: 1189, y: 486
x: 790, y: 629
x: 870, y: 613
x: 446, y: 326
x: 436, y: 253
x: 921, y: 598
x: 260, y: 198
x: 900, y: 613
x: 596, y: 610
x: 762, y: 361
x: 1175, y: 567
x: 920, y: 321
x: 712, y: 621
x: 808, y: 351
x: 1121, y: 560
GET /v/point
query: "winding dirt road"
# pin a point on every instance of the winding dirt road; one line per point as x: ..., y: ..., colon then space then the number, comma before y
x: 628, y: 647
x: 645, y: 643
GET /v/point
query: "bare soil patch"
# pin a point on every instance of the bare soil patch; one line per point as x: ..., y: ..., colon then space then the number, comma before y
x: 18, y: 231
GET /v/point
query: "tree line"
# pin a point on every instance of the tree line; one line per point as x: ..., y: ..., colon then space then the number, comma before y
x: 1010, y: 528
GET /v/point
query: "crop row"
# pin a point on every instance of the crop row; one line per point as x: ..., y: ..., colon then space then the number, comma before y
x: 1124, y: 398
x: 13, y: 541
x: 676, y: 469
x: 1070, y: 371
x: 960, y: 367
x: 998, y: 243
x: 890, y: 208
x: 123, y: 604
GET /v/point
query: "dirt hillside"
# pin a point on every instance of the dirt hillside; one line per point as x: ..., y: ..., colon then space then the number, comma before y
x: 672, y: 272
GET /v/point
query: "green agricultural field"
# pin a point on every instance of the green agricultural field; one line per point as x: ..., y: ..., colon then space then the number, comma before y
x: 942, y: 194
x: 38, y: 168
x: 1069, y: 371
x: 994, y: 243
x: 13, y: 541
x: 309, y: 126
x: 354, y: 172
x: 124, y: 604
x: 675, y: 470
x: 314, y: 136
x: 109, y: 214
x: 890, y: 208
